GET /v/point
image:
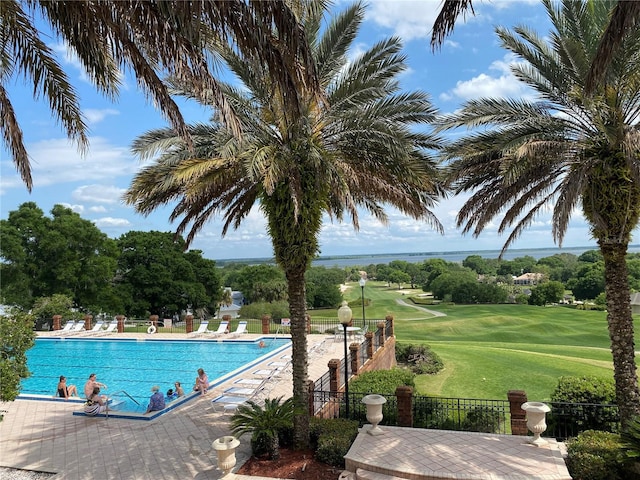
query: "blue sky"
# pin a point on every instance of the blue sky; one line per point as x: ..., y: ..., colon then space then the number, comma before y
x: 470, y: 65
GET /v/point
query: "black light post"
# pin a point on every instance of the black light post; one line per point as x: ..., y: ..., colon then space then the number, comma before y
x: 362, y: 282
x: 344, y: 315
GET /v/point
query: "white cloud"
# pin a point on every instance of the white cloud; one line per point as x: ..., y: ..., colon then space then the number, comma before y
x: 76, y: 208
x: 94, y: 116
x: 108, y: 194
x: 109, y: 222
x: 97, y: 209
x: 408, y: 19
x: 57, y: 161
x: 505, y: 85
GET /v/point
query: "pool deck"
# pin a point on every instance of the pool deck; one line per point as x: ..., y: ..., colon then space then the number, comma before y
x: 46, y: 436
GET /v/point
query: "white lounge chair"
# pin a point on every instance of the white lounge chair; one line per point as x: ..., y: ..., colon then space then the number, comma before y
x: 77, y: 328
x: 242, y: 328
x: 111, y: 328
x: 222, y: 328
x: 96, y: 328
x: 67, y: 328
x: 202, y: 329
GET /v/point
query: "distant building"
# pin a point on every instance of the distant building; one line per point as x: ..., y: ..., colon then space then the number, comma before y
x: 635, y: 303
x: 528, y: 279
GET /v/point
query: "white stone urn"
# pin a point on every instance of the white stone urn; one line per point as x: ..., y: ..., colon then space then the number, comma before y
x: 374, y: 405
x: 226, y: 448
x: 536, y: 416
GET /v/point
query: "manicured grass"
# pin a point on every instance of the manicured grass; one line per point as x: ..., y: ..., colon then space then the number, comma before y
x: 490, y: 349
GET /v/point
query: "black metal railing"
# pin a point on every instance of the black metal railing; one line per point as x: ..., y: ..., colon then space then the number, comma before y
x: 463, y: 414
x: 566, y: 420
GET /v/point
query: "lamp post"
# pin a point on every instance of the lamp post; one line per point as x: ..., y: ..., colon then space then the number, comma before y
x: 362, y: 283
x: 344, y: 315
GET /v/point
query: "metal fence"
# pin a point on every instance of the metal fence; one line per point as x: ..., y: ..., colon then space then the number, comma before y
x: 566, y: 420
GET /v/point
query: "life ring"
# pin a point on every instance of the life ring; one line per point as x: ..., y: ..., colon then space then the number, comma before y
x: 151, y: 329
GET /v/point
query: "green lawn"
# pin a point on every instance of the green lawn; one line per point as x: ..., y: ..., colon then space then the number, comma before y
x: 490, y: 349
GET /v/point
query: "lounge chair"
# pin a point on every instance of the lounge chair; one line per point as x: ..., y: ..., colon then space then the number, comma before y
x: 242, y: 328
x: 77, y: 328
x: 222, y: 328
x: 202, y: 329
x: 111, y: 328
x: 96, y: 328
x: 67, y: 328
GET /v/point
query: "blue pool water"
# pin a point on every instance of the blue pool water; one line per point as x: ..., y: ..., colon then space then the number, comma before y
x: 134, y: 366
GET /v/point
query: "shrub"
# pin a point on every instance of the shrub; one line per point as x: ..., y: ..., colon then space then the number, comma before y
x: 383, y: 382
x: 420, y: 358
x: 577, y: 418
x: 594, y: 455
x: 483, y: 419
x: 331, y: 438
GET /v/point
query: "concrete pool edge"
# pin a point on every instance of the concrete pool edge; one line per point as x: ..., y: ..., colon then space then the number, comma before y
x: 178, y: 402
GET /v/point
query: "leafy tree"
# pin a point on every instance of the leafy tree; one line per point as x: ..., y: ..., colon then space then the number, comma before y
x: 547, y: 292
x: 44, y: 308
x: 156, y: 276
x: 254, y: 282
x: 399, y: 277
x: 449, y: 281
x: 63, y: 254
x: 565, y: 149
x: 480, y: 265
x: 357, y: 148
x: 16, y: 337
x: 276, y: 310
x: 433, y: 268
x: 589, y: 281
x: 323, y: 287
x: 591, y: 256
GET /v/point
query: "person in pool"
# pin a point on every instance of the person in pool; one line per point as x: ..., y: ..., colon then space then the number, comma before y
x: 91, y: 384
x: 179, y: 390
x: 65, y: 391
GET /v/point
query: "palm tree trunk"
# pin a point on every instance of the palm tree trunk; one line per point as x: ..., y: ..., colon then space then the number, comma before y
x: 298, y: 310
x: 620, y: 324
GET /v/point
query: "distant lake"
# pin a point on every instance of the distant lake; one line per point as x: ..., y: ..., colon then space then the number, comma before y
x: 419, y: 257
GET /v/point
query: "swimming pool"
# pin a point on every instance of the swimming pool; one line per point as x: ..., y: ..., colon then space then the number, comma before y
x: 130, y: 367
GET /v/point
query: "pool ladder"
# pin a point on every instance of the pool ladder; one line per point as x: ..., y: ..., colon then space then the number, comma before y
x: 125, y: 393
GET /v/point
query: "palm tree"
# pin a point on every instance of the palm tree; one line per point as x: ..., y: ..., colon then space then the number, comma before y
x: 151, y: 38
x: 264, y: 423
x: 446, y: 19
x: 624, y: 19
x: 563, y: 151
x: 356, y: 150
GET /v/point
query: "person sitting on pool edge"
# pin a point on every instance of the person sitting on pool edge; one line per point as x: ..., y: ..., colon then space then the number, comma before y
x: 156, y: 401
x: 202, y: 382
x: 95, y: 403
x: 91, y: 384
x: 65, y: 391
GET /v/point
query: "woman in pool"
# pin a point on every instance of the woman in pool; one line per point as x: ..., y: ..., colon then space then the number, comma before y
x: 65, y: 391
x: 95, y: 403
x: 179, y: 390
x: 202, y: 382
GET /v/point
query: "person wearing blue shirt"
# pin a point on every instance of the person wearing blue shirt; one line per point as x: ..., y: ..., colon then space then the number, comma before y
x: 156, y: 402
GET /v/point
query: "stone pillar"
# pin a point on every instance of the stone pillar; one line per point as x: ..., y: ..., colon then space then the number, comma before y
x: 404, y: 395
x: 56, y: 322
x: 389, y: 319
x: 307, y: 319
x: 120, y: 319
x: 354, y: 352
x: 87, y: 322
x: 188, y: 323
x: 381, y: 334
x: 266, y: 322
x: 518, y: 415
x: 369, y: 337
x: 334, y: 372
